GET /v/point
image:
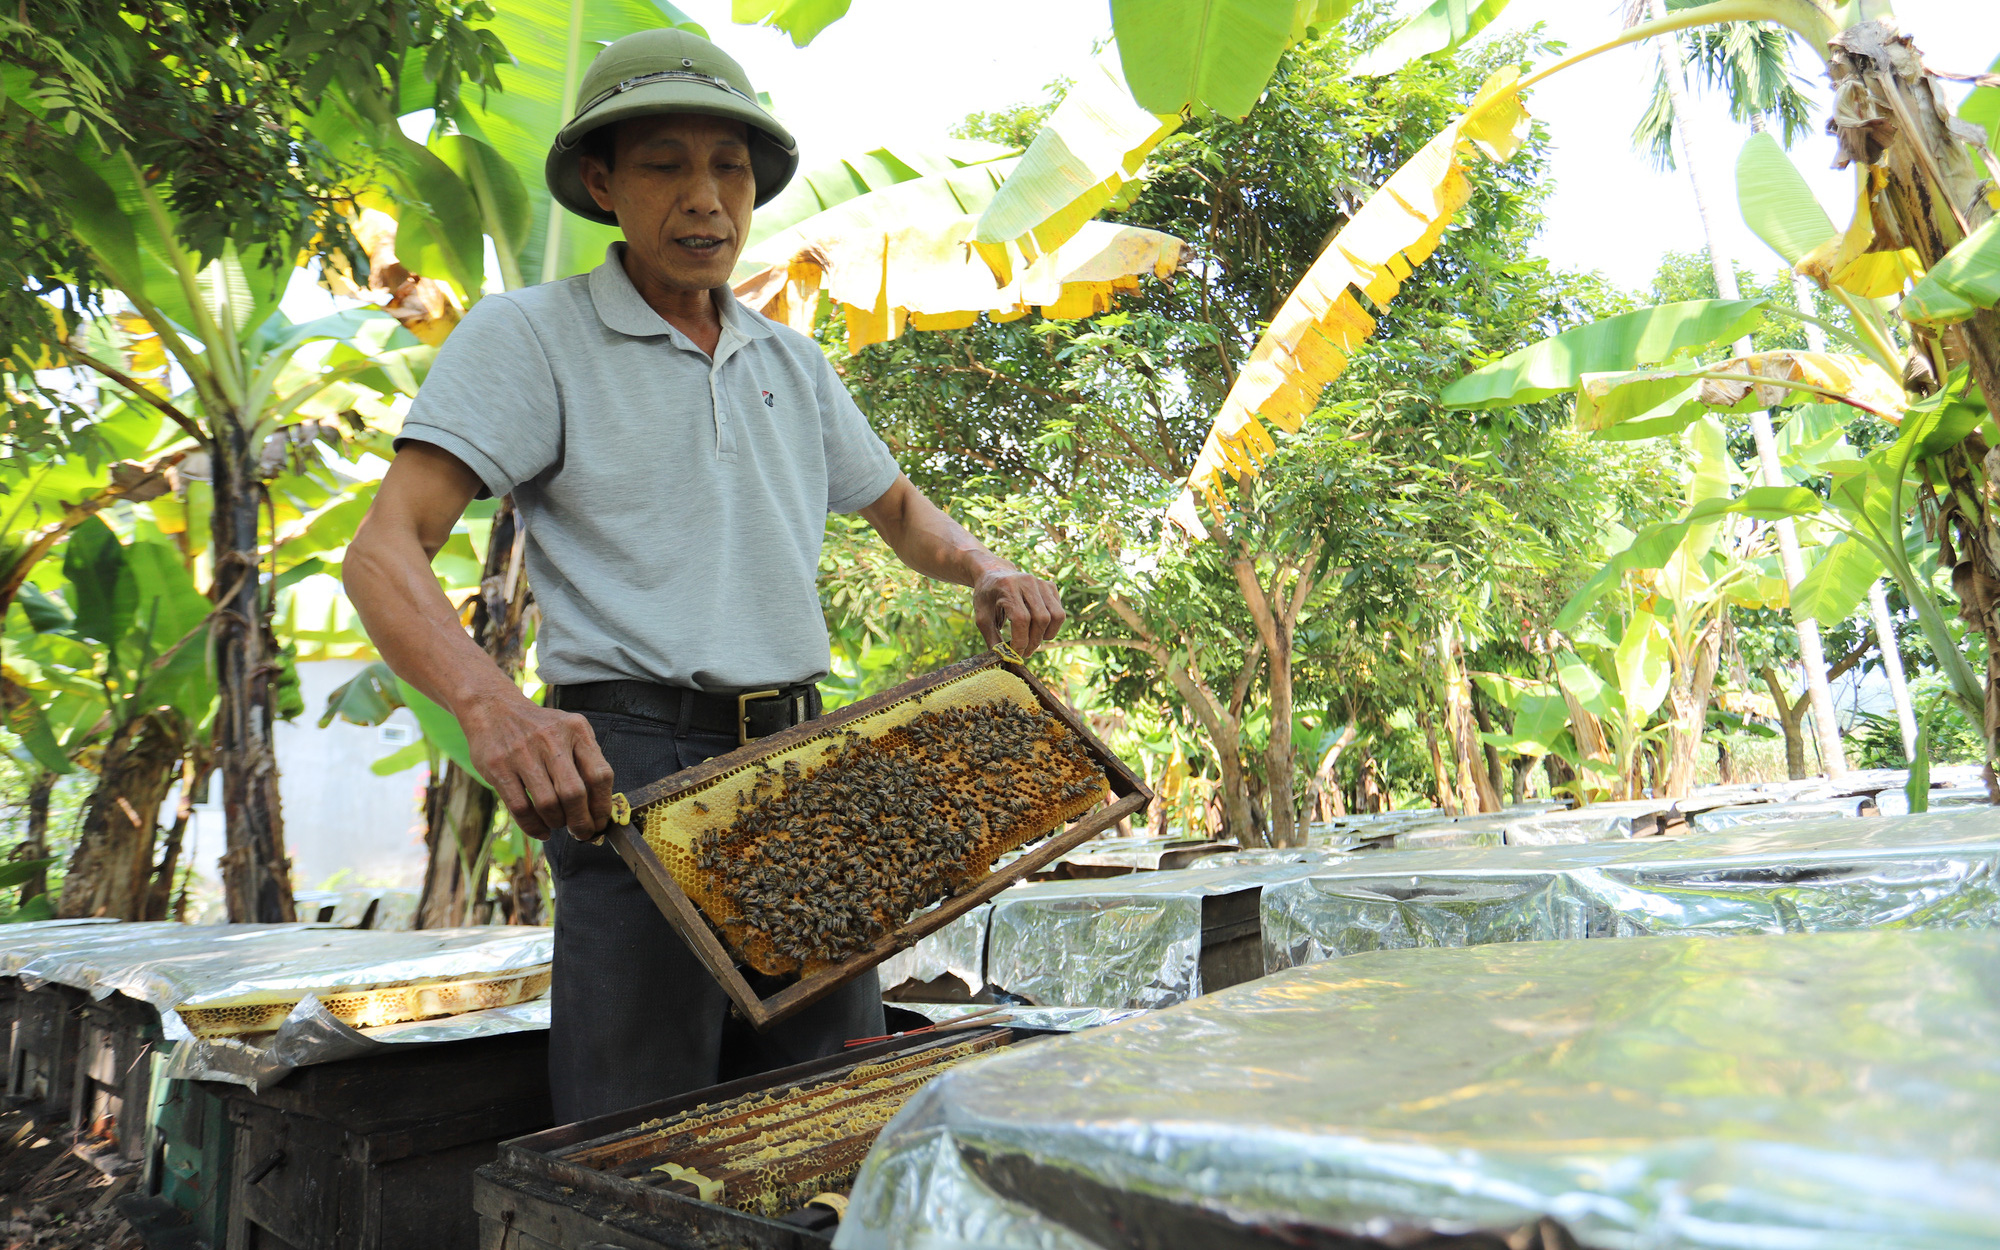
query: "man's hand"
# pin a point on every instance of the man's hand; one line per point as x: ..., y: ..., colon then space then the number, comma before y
x: 544, y: 765
x: 933, y: 544
x: 1031, y: 607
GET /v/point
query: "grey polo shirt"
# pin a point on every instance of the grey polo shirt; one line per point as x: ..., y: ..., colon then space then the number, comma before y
x: 674, y: 503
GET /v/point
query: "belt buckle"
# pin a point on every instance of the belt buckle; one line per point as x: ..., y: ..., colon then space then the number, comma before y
x: 743, y: 713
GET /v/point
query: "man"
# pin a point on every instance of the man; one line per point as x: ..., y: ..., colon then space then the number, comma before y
x: 674, y: 456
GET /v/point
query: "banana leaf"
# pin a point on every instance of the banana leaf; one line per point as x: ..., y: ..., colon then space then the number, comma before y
x: 1634, y: 340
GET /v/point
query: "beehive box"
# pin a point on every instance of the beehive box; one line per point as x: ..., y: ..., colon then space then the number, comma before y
x: 719, y: 1167
x: 805, y: 853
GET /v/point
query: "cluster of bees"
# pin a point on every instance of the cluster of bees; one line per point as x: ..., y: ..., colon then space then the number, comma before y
x: 818, y: 864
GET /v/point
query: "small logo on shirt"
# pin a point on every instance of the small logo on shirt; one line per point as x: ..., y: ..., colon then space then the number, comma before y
x: 770, y: 400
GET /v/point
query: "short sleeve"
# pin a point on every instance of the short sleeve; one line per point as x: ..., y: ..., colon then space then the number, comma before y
x: 859, y: 468
x: 490, y: 399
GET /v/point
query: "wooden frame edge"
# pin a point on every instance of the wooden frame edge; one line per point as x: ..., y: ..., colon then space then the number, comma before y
x: 685, y: 918
x: 1130, y: 794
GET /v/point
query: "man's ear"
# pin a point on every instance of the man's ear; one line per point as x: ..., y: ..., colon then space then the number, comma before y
x: 596, y: 180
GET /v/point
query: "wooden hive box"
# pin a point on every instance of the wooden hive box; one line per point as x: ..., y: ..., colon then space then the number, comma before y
x: 633, y: 1179
x: 680, y: 828
x: 377, y: 1152
x: 118, y: 1040
x: 41, y: 1051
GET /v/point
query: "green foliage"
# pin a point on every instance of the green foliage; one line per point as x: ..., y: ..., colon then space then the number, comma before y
x: 1946, y: 736
x: 1649, y: 336
x: 1439, y: 27
x: 1060, y: 443
x: 801, y: 19
x: 1750, y: 63
x: 371, y: 695
x: 1982, y: 108
x: 1213, y: 56
x: 1966, y: 280
x: 1777, y: 203
x: 206, y: 103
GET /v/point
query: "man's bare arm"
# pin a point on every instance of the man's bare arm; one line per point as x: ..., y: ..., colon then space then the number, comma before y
x: 544, y: 764
x: 933, y: 544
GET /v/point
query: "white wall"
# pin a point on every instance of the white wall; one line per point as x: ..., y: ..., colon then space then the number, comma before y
x: 340, y: 819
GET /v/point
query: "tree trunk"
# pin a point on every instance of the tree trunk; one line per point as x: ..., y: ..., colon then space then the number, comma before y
x: 36, y: 846
x: 459, y: 809
x: 1789, y: 716
x: 1588, y: 732
x: 524, y: 887
x: 1324, y: 799
x: 458, y: 817
x: 1894, y: 118
x: 1370, y: 795
x: 1725, y: 773
x: 1484, y: 719
x: 1812, y: 656
x: 1560, y: 773
x: 194, y: 783
x: 1477, y: 790
x: 112, y: 865
x: 256, y: 875
x: 1694, y: 680
x: 1892, y: 667
x: 1447, y: 794
x: 1275, y: 612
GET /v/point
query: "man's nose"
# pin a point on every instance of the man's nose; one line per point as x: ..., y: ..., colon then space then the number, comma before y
x: 702, y: 196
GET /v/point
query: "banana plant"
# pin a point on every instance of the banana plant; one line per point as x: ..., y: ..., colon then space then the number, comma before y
x: 1689, y: 574
x: 248, y: 380
x: 1867, y: 503
x: 1617, y: 679
x: 1174, y: 59
x: 114, y: 653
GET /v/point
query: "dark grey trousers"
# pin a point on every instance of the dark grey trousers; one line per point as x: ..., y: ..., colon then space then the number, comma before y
x: 635, y: 1017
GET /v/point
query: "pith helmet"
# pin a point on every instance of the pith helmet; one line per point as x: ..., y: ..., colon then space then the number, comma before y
x: 666, y: 71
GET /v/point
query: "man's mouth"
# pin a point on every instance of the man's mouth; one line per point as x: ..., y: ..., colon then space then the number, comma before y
x: 699, y: 242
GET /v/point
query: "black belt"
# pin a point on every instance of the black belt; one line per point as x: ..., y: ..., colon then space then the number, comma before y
x: 752, y: 714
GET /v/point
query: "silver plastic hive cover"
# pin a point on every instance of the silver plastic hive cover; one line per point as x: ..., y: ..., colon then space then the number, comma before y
x: 1803, y: 1092
x: 1128, y: 942
x: 1930, y: 870
x: 169, y: 965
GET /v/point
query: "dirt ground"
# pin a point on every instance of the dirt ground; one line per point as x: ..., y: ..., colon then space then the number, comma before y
x: 52, y: 1200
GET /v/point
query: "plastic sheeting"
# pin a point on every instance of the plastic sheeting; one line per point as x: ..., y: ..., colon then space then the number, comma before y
x: 311, y: 1035
x: 1933, y: 870
x: 1778, y: 813
x: 1809, y: 1092
x: 1126, y: 942
x: 1896, y: 803
x: 171, y: 965
x: 1049, y: 1019
x: 957, y: 950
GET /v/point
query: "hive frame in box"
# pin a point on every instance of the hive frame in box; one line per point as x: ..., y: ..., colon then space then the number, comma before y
x: 1129, y: 795
x: 537, y: 1194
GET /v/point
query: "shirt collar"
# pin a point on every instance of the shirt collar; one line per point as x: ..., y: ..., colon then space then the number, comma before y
x: 620, y: 306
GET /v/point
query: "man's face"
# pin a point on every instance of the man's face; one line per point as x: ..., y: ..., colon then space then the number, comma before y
x: 682, y: 187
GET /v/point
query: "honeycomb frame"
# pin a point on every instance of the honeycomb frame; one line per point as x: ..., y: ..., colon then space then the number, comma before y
x: 367, y: 1006
x: 771, y: 1148
x: 664, y: 820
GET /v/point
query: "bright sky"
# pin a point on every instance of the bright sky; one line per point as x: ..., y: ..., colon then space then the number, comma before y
x: 903, y: 71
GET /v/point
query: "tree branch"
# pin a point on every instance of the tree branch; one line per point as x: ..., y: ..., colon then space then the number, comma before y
x: 140, y: 391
